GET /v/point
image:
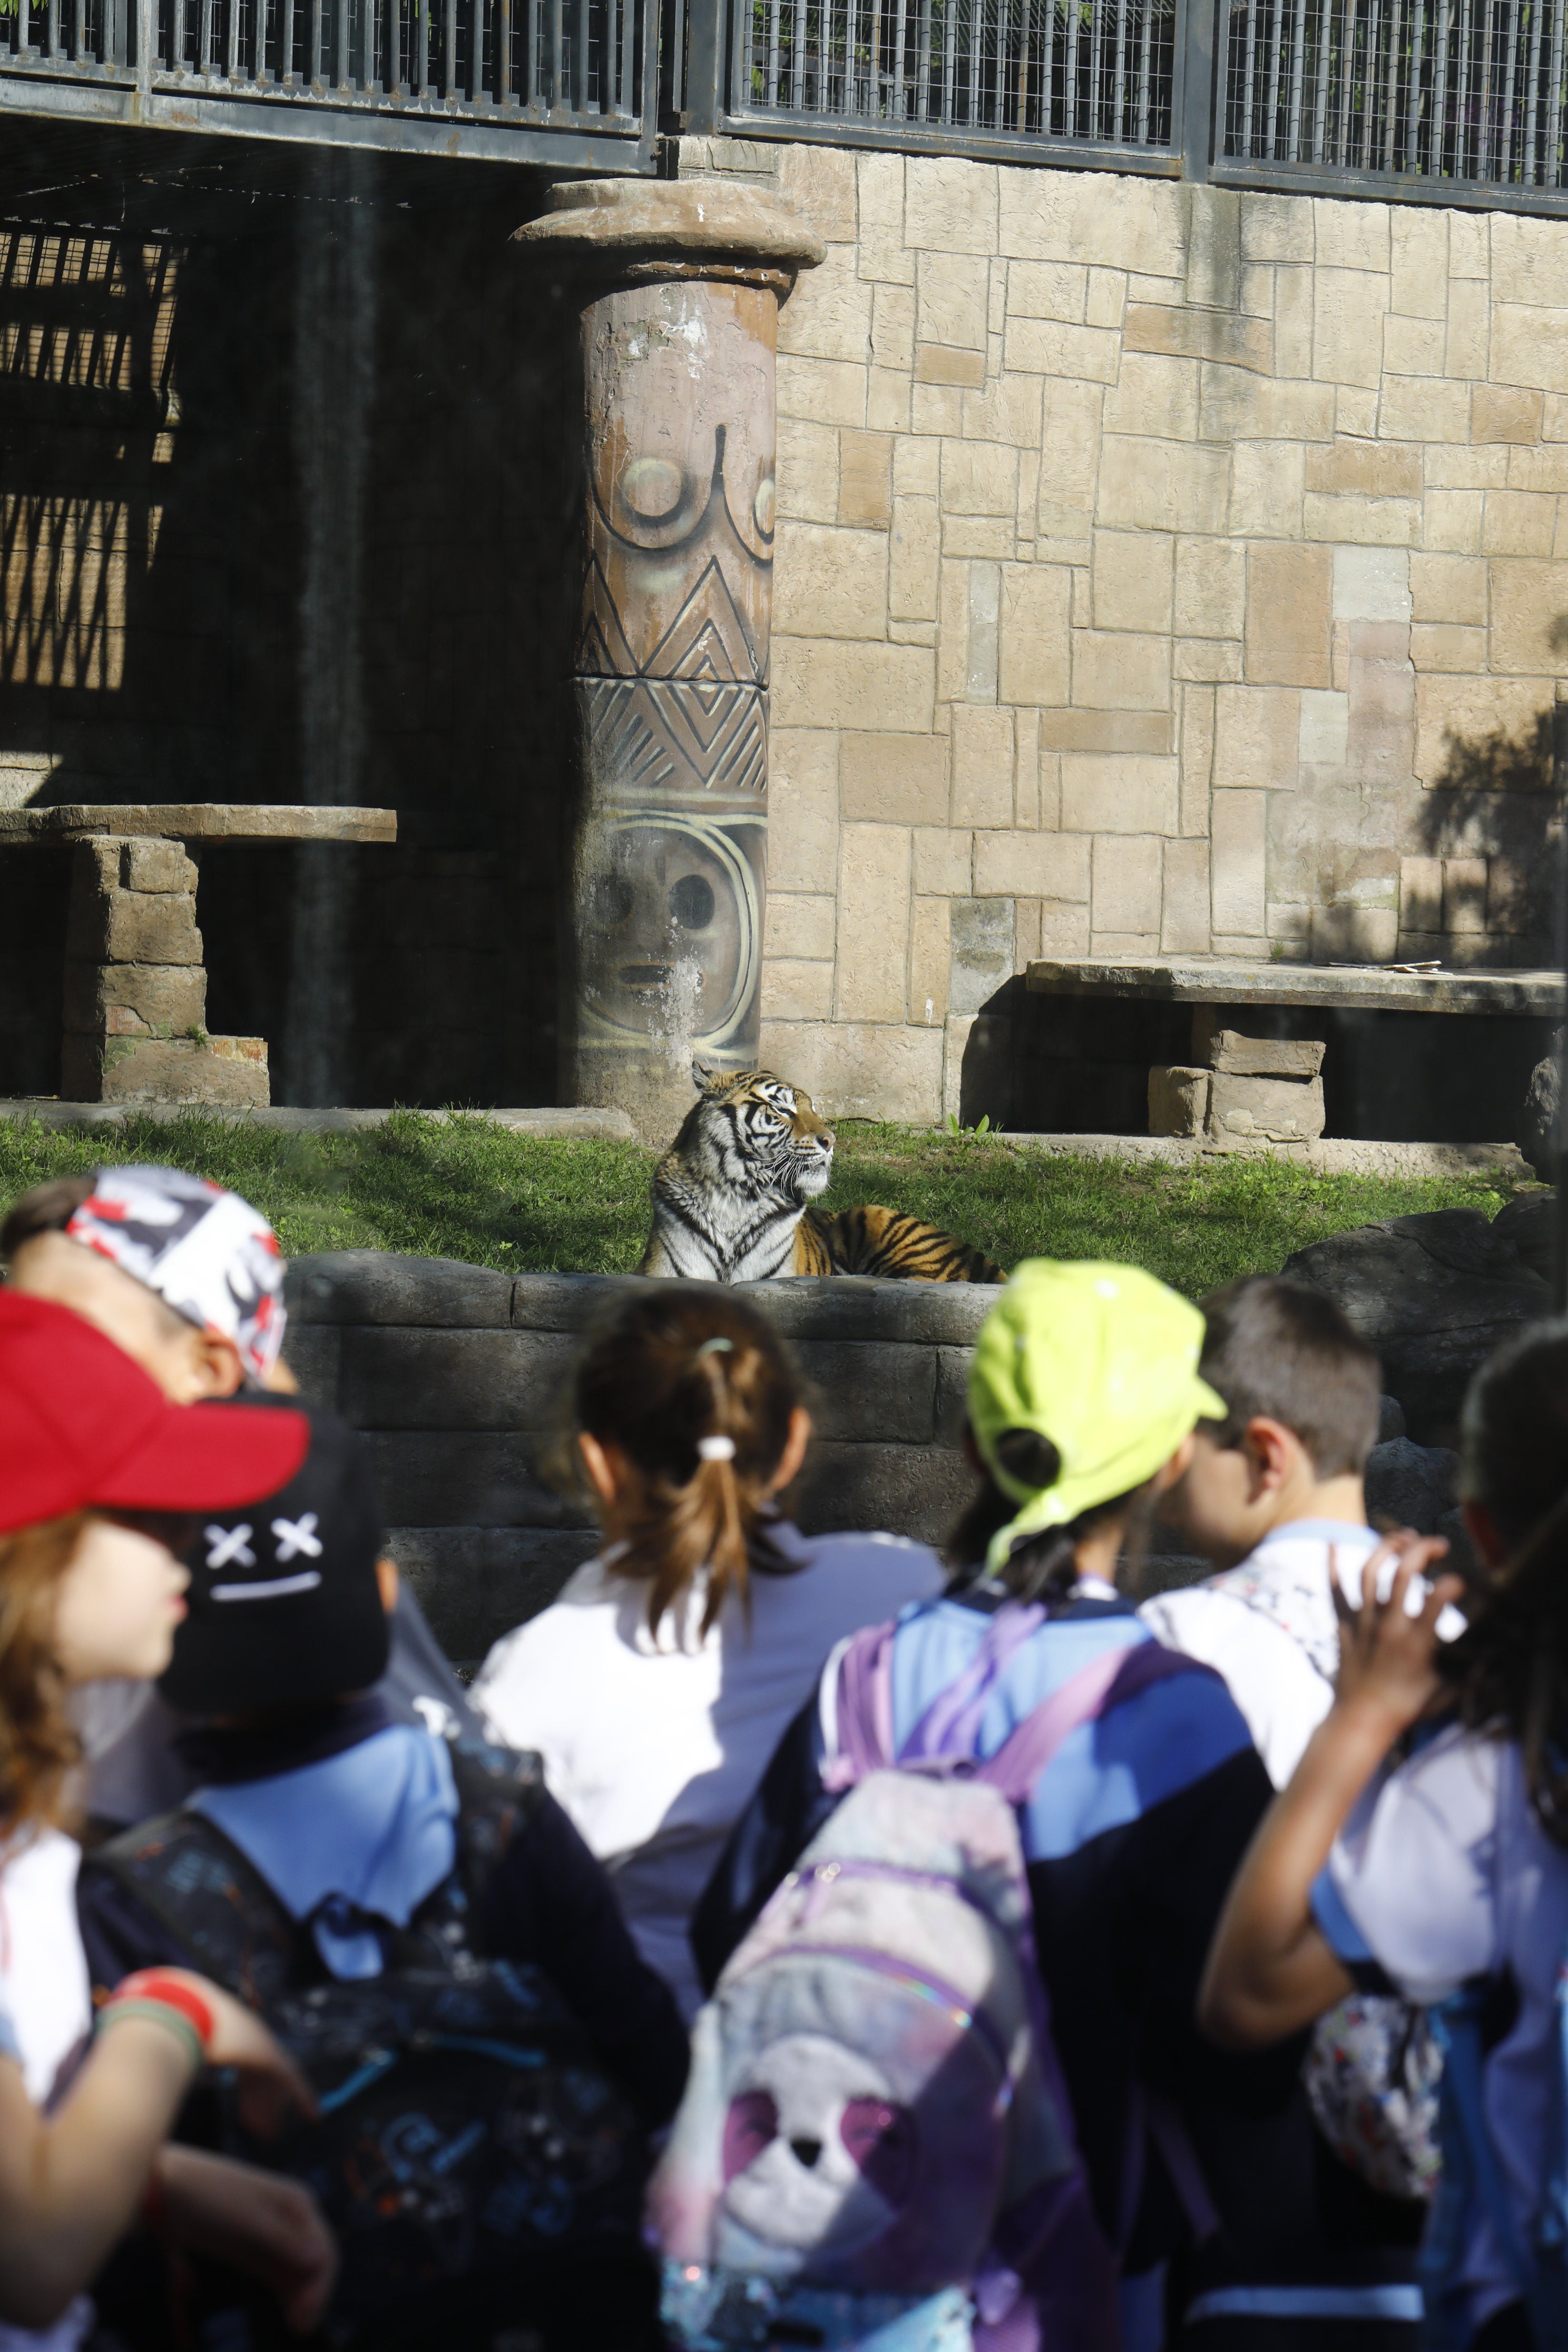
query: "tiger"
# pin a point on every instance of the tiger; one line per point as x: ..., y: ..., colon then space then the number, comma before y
x: 731, y: 1194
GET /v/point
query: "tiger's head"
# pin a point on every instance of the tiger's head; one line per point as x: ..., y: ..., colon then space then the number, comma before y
x: 759, y: 1132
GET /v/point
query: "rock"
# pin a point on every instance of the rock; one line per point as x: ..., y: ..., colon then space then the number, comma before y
x: 1390, y: 1419
x: 1434, y: 1294
x: 228, y: 1070
x: 1253, y: 1057
x: 1178, y: 1101
x: 170, y: 996
x: 1529, y: 1224
x: 1410, y: 1485
x: 147, y: 864
x: 1265, y: 1110
x: 1536, y: 1134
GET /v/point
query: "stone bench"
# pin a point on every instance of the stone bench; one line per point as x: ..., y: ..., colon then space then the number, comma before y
x: 1241, y: 1087
x: 456, y: 1374
x: 134, y: 1005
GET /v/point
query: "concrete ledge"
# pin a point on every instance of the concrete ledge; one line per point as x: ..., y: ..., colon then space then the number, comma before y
x: 1215, y: 979
x: 1329, y: 1156
x: 458, y: 1377
x: 197, y: 821
x: 610, y: 1125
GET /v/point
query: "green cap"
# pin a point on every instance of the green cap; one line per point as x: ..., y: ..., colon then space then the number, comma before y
x: 1103, y: 1360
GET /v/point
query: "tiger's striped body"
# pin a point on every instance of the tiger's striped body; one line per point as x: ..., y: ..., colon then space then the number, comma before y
x: 732, y: 1195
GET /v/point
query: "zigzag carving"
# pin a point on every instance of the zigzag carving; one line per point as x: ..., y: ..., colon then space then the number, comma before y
x: 665, y: 736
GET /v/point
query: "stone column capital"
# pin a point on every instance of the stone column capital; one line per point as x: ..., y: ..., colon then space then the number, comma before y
x: 652, y: 232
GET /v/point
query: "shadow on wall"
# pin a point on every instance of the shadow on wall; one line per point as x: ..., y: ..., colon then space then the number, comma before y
x: 1490, y: 824
x: 188, y: 343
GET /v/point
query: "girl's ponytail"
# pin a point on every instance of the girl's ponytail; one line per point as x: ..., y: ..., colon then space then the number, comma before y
x: 697, y: 1390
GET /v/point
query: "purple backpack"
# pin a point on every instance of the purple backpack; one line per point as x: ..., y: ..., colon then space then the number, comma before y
x: 876, y: 2144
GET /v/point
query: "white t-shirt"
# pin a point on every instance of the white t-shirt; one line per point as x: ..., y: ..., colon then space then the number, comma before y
x: 1270, y: 1628
x: 655, y: 1749
x: 1443, y: 1873
x: 45, y: 2009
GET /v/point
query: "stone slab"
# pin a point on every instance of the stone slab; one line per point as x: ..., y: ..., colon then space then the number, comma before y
x: 122, y: 999
x: 1213, y: 980
x: 1275, y: 1110
x: 475, y: 1584
x: 1178, y: 1099
x: 378, y: 1286
x: 180, y: 1072
x: 1253, y: 1057
x: 284, y: 1119
x: 482, y: 1478
x: 196, y: 820
x: 454, y: 1378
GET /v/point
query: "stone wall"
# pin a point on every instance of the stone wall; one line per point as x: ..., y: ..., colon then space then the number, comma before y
x: 1162, y: 568
x: 458, y: 1376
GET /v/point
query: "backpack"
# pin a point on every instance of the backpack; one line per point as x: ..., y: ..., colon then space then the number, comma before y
x: 1373, y: 2063
x: 473, y: 2157
x: 1471, y: 2175
x: 876, y: 2147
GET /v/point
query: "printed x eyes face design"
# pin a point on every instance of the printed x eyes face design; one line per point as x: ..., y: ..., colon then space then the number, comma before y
x: 119, y: 1603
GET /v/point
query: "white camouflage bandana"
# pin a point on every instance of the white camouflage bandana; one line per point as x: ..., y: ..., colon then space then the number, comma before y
x: 206, y: 1252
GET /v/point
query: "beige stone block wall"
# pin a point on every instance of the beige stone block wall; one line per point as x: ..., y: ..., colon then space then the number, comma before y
x: 1160, y: 569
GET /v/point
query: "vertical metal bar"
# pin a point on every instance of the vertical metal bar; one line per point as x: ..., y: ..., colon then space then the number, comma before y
x: 557, y: 54
x: 1297, y: 47
x: 1248, y: 79
x: 1072, y: 8
x: 1461, y: 126
x: 1321, y: 82
x: 1196, y: 27
x: 1511, y: 114
x: 899, y: 92
x: 1391, y: 84
x: 775, y: 11
x: 205, y: 37
x: 1276, y: 56
x: 52, y: 32
x: 1486, y: 143
x: 1142, y: 103
x: 1119, y: 71
x: 950, y: 54
x: 1533, y: 108
x: 1554, y: 158
x: 976, y: 9
x: 922, y: 65
x: 1440, y: 86
x: 79, y: 31
x: 449, y: 49
x: 1413, y: 107
x: 313, y: 64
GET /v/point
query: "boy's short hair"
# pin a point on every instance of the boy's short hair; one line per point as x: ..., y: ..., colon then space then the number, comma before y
x: 1284, y: 1351
x: 46, y: 1208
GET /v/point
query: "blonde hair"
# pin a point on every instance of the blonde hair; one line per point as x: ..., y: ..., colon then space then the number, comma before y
x: 697, y: 1390
x: 39, y: 1747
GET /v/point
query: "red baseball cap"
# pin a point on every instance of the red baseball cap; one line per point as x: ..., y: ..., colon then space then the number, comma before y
x: 83, y: 1425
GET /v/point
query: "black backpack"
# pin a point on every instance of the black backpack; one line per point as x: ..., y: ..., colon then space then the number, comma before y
x: 480, y: 2167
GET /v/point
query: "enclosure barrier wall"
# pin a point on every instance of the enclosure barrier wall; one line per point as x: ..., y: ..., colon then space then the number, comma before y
x: 458, y: 1375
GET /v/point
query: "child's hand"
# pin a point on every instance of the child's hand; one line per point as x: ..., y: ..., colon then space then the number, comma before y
x: 1386, y: 1648
x: 270, y: 2085
x: 270, y: 2227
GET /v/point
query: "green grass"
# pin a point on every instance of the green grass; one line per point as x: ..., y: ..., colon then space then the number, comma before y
x: 466, y: 1189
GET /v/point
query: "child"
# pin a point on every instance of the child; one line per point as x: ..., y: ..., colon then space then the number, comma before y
x: 88, y: 1588
x: 1274, y: 1497
x: 188, y: 1279
x: 656, y: 1684
x: 1083, y: 1395
x: 1513, y: 1442
x: 380, y: 1847
x: 1447, y: 1870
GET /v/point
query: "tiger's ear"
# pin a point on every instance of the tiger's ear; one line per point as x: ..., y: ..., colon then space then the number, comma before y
x: 705, y: 1079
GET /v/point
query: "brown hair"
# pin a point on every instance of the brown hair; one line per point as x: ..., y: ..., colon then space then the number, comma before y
x: 677, y: 1364
x: 37, y: 1744
x: 46, y: 1208
x: 1513, y: 1430
x: 1046, y: 1566
x: 1511, y: 1666
x: 1284, y: 1351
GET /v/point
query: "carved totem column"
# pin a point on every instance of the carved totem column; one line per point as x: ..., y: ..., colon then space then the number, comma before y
x: 680, y: 284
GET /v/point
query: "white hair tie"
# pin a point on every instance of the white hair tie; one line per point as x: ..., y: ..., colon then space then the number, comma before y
x: 716, y: 1449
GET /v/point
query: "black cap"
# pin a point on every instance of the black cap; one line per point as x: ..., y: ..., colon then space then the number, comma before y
x: 285, y: 1605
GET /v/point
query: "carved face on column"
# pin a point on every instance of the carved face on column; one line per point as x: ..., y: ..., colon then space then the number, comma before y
x: 671, y: 929
x: 680, y: 423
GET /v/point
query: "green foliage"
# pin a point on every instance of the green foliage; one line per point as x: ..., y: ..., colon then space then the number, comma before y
x: 465, y: 1188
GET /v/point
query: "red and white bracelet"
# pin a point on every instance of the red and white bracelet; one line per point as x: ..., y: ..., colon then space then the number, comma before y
x: 156, y: 1993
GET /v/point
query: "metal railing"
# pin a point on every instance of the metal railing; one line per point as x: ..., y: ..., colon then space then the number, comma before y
x: 1095, y: 72
x: 563, y: 77
x: 1466, y: 91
